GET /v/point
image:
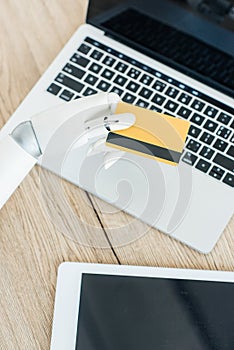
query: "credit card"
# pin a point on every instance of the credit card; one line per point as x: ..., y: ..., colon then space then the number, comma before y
x: 154, y: 135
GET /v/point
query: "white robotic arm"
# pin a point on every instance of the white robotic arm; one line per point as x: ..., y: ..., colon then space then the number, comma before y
x: 21, y: 150
x: 16, y: 162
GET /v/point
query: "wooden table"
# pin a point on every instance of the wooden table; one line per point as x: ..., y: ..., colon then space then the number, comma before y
x: 31, y: 246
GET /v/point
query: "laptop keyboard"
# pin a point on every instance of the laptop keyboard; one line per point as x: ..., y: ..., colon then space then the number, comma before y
x: 96, y: 67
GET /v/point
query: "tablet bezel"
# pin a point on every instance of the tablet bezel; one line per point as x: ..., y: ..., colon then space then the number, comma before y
x: 66, y: 309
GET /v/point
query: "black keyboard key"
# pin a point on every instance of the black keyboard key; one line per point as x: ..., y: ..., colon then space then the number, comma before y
x: 158, y: 99
x: 91, y: 79
x: 232, y: 125
x: 95, y: 68
x: 77, y: 96
x: 77, y: 72
x: 184, y: 112
x: 84, y: 49
x: 70, y: 83
x: 108, y: 74
x: 198, y: 105
x: 133, y: 73
x: 189, y: 158
x: 80, y: 60
x: 66, y: 95
x: 169, y: 113
x: 54, y: 89
x: 132, y: 86
x: 117, y: 90
x: 194, y: 131
x: 230, y: 151
x: 89, y: 91
x: 109, y: 61
x: 224, y: 118
x: 120, y: 80
x: 121, y: 67
x: 103, y: 85
x: 146, y: 79
x: 97, y: 55
x: 220, y: 145
x: 142, y: 103
x: 193, y: 145
x: 232, y: 138
x: 203, y: 165
x: 211, y: 112
x: 207, y: 138
x: 172, y: 92
x: 224, y: 132
x: 224, y: 161
x: 129, y: 98
x: 155, y: 109
x: 146, y: 93
x: 171, y: 105
x: 210, y: 125
x: 184, y: 98
x: 216, y: 172
x: 197, y: 119
x: 159, y: 86
x: 229, y: 179
x: 207, y: 152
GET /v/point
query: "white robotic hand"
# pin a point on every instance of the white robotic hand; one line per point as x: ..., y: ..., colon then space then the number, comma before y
x: 93, y: 118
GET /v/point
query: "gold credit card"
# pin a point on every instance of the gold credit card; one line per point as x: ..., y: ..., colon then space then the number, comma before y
x: 155, y: 135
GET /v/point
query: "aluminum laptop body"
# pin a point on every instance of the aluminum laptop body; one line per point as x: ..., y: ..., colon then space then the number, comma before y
x: 194, y: 201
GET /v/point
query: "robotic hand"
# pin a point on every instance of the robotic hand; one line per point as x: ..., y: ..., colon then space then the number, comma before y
x: 93, y: 118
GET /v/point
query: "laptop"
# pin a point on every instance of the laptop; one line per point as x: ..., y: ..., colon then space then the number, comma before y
x: 174, y: 57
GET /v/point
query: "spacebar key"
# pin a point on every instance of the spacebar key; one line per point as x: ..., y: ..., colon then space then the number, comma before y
x: 225, y: 162
x: 70, y: 83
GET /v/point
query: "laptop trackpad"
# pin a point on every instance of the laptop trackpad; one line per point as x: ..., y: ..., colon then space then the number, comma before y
x: 157, y: 193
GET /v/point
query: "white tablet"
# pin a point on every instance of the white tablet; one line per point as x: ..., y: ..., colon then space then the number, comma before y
x: 111, y: 307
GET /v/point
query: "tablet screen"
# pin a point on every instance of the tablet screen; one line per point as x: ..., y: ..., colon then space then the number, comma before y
x: 141, y: 313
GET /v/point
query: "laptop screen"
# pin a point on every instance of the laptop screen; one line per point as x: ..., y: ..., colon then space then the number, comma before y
x: 194, y: 36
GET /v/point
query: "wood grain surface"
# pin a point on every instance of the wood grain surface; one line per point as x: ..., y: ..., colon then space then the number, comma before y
x: 32, y: 246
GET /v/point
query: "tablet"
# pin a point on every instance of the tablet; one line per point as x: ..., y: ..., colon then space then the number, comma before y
x: 111, y: 307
